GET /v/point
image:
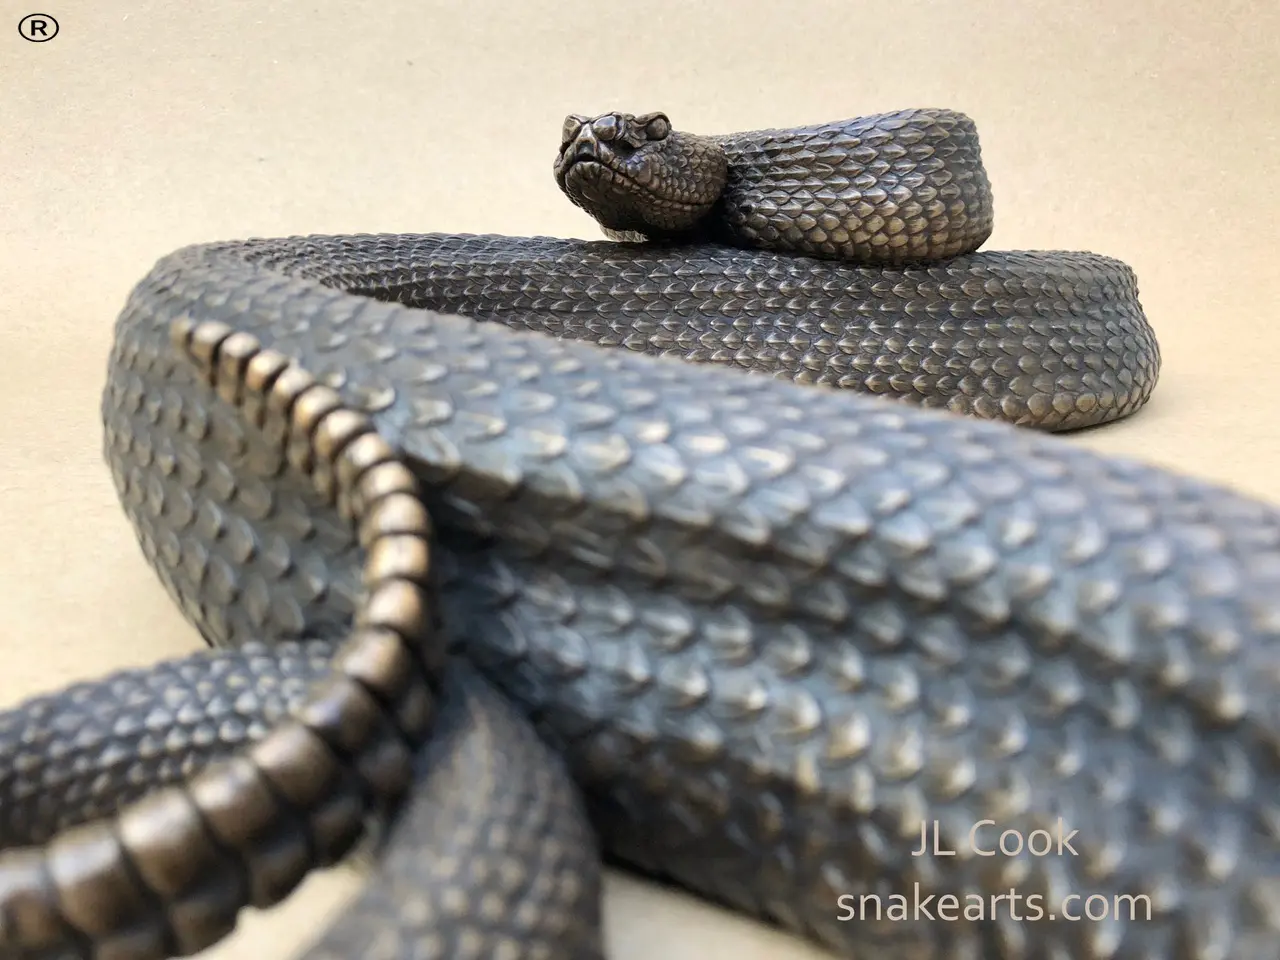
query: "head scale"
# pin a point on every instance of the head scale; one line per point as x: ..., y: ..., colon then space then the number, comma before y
x: 637, y: 176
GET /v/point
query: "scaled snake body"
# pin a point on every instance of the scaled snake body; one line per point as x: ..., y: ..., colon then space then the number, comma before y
x: 765, y: 631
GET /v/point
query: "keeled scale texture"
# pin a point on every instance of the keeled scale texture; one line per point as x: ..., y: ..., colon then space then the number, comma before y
x: 772, y: 628
x: 1052, y: 340
x: 888, y: 188
x: 480, y: 825
x: 74, y: 756
x: 82, y: 753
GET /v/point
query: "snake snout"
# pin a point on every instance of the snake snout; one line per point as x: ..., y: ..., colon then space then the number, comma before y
x: 573, y: 123
x: 637, y: 176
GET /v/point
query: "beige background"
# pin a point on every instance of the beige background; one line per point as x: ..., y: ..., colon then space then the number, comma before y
x: 1139, y: 129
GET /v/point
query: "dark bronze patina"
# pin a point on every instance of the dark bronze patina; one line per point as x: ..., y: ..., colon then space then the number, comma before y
x: 483, y: 584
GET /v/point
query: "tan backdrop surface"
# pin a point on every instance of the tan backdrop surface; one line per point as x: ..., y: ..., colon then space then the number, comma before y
x: 1143, y: 130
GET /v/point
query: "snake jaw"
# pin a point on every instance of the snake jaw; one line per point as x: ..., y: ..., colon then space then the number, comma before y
x: 635, y: 175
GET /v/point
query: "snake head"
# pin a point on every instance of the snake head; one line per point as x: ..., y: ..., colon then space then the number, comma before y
x: 637, y: 176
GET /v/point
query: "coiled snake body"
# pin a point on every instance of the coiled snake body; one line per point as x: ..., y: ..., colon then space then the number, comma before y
x: 769, y: 633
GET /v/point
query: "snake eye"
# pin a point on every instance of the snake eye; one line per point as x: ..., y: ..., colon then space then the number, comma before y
x: 572, y: 125
x: 658, y: 127
x: 606, y: 127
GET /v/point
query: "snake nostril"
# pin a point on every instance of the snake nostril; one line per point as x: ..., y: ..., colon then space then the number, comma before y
x: 586, y: 146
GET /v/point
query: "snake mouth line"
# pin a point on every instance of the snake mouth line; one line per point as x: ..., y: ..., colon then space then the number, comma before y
x: 588, y: 164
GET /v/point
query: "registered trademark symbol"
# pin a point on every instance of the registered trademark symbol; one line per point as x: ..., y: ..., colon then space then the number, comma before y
x: 38, y: 27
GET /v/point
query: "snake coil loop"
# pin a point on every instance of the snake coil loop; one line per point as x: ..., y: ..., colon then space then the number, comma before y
x: 170, y: 873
